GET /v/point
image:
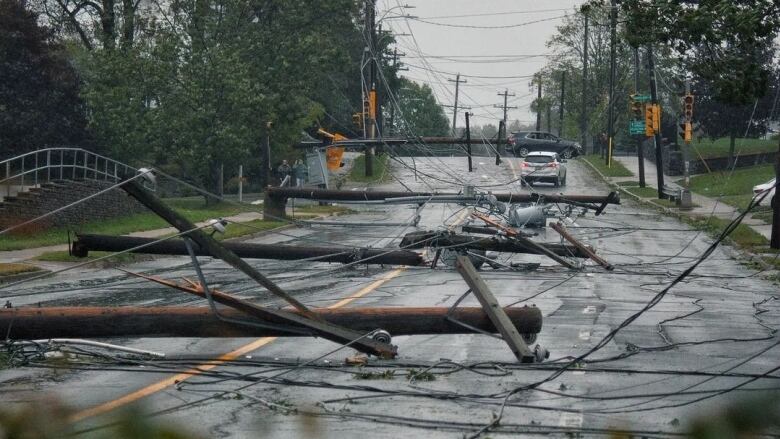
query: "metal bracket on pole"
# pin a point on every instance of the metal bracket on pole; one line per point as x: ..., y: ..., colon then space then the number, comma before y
x: 494, y: 310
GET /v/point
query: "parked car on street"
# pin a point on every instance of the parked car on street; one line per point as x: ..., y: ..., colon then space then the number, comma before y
x: 543, y: 166
x: 769, y: 200
x: 523, y: 142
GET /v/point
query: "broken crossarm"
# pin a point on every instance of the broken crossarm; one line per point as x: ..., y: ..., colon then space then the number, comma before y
x: 306, y: 318
x: 345, y: 255
x: 559, y: 227
x: 30, y: 323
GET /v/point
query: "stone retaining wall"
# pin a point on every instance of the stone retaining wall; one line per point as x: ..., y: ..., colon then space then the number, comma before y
x: 51, y: 196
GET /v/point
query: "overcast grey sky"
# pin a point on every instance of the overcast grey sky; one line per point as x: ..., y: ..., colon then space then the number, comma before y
x: 490, y: 60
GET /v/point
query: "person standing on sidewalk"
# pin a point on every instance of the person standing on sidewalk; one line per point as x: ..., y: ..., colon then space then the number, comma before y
x: 300, y: 171
x: 285, y: 171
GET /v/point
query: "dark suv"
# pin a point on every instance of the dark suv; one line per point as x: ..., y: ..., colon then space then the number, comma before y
x: 523, y: 142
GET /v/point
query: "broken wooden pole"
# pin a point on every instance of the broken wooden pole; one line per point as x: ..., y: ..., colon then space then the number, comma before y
x: 215, y: 249
x: 29, y: 323
x: 344, y: 255
x: 417, y: 240
x: 559, y: 227
x: 493, y: 309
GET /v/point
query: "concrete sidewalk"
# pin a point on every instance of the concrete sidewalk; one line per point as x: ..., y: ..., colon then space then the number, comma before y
x: 705, y: 206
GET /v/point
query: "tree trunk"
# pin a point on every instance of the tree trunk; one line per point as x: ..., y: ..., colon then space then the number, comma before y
x: 108, y: 24
x: 128, y: 23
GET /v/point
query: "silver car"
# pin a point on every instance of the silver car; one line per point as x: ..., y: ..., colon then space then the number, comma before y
x: 543, y: 166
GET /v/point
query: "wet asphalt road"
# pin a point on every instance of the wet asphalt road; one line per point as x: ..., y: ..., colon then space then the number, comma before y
x: 646, y: 379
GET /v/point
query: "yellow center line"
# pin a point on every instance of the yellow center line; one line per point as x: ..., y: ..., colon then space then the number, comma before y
x: 232, y: 355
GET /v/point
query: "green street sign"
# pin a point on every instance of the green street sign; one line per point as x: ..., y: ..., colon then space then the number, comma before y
x: 636, y: 127
x: 641, y: 98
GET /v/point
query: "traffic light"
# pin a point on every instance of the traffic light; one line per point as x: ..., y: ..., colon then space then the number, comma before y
x: 686, y: 131
x: 636, y: 108
x: 357, y: 120
x: 649, y: 131
x: 656, y: 117
x: 688, y: 107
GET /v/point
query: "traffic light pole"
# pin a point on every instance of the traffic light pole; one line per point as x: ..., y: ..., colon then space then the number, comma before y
x: 640, y: 151
x: 686, y: 143
x: 659, y: 156
x: 611, y: 109
x: 583, y: 113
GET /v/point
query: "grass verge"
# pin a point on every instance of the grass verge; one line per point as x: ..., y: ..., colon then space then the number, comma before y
x: 194, y: 209
x: 616, y: 170
x: 642, y: 192
x: 735, y: 188
x: 743, y: 236
x: 381, y: 171
x: 720, y: 147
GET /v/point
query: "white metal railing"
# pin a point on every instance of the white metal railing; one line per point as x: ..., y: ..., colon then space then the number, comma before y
x: 44, y: 165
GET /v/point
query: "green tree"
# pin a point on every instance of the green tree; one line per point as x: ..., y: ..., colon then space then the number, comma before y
x: 421, y: 114
x: 726, y: 45
x: 39, y: 90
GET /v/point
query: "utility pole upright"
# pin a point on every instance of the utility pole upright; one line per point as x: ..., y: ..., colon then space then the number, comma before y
x: 396, y: 68
x: 500, y: 150
x: 560, y: 110
x: 468, y: 141
x: 538, y: 79
x: 659, y: 154
x: 611, y: 109
x: 457, y: 82
x: 584, y: 110
x: 774, y: 241
x: 265, y: 169
x: 640, y: 151
x: 370, y: 29
x: 549, y: 117
x: 505, y: 107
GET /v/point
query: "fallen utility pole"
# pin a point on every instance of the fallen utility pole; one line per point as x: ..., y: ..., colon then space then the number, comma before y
x: 558, y: 227
x: 276, y: 198
x: 29, y: 323
x: 525, y: 241
x: 86, y: 243
x: 417, y: 240
x: 409, y: 142
x: 493, y: 309
x: 306, y: 318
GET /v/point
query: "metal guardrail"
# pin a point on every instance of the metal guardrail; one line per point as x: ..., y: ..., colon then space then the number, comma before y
x: 45, y: 165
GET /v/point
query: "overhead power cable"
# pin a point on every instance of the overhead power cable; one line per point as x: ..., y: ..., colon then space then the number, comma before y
x: 472, y: 26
